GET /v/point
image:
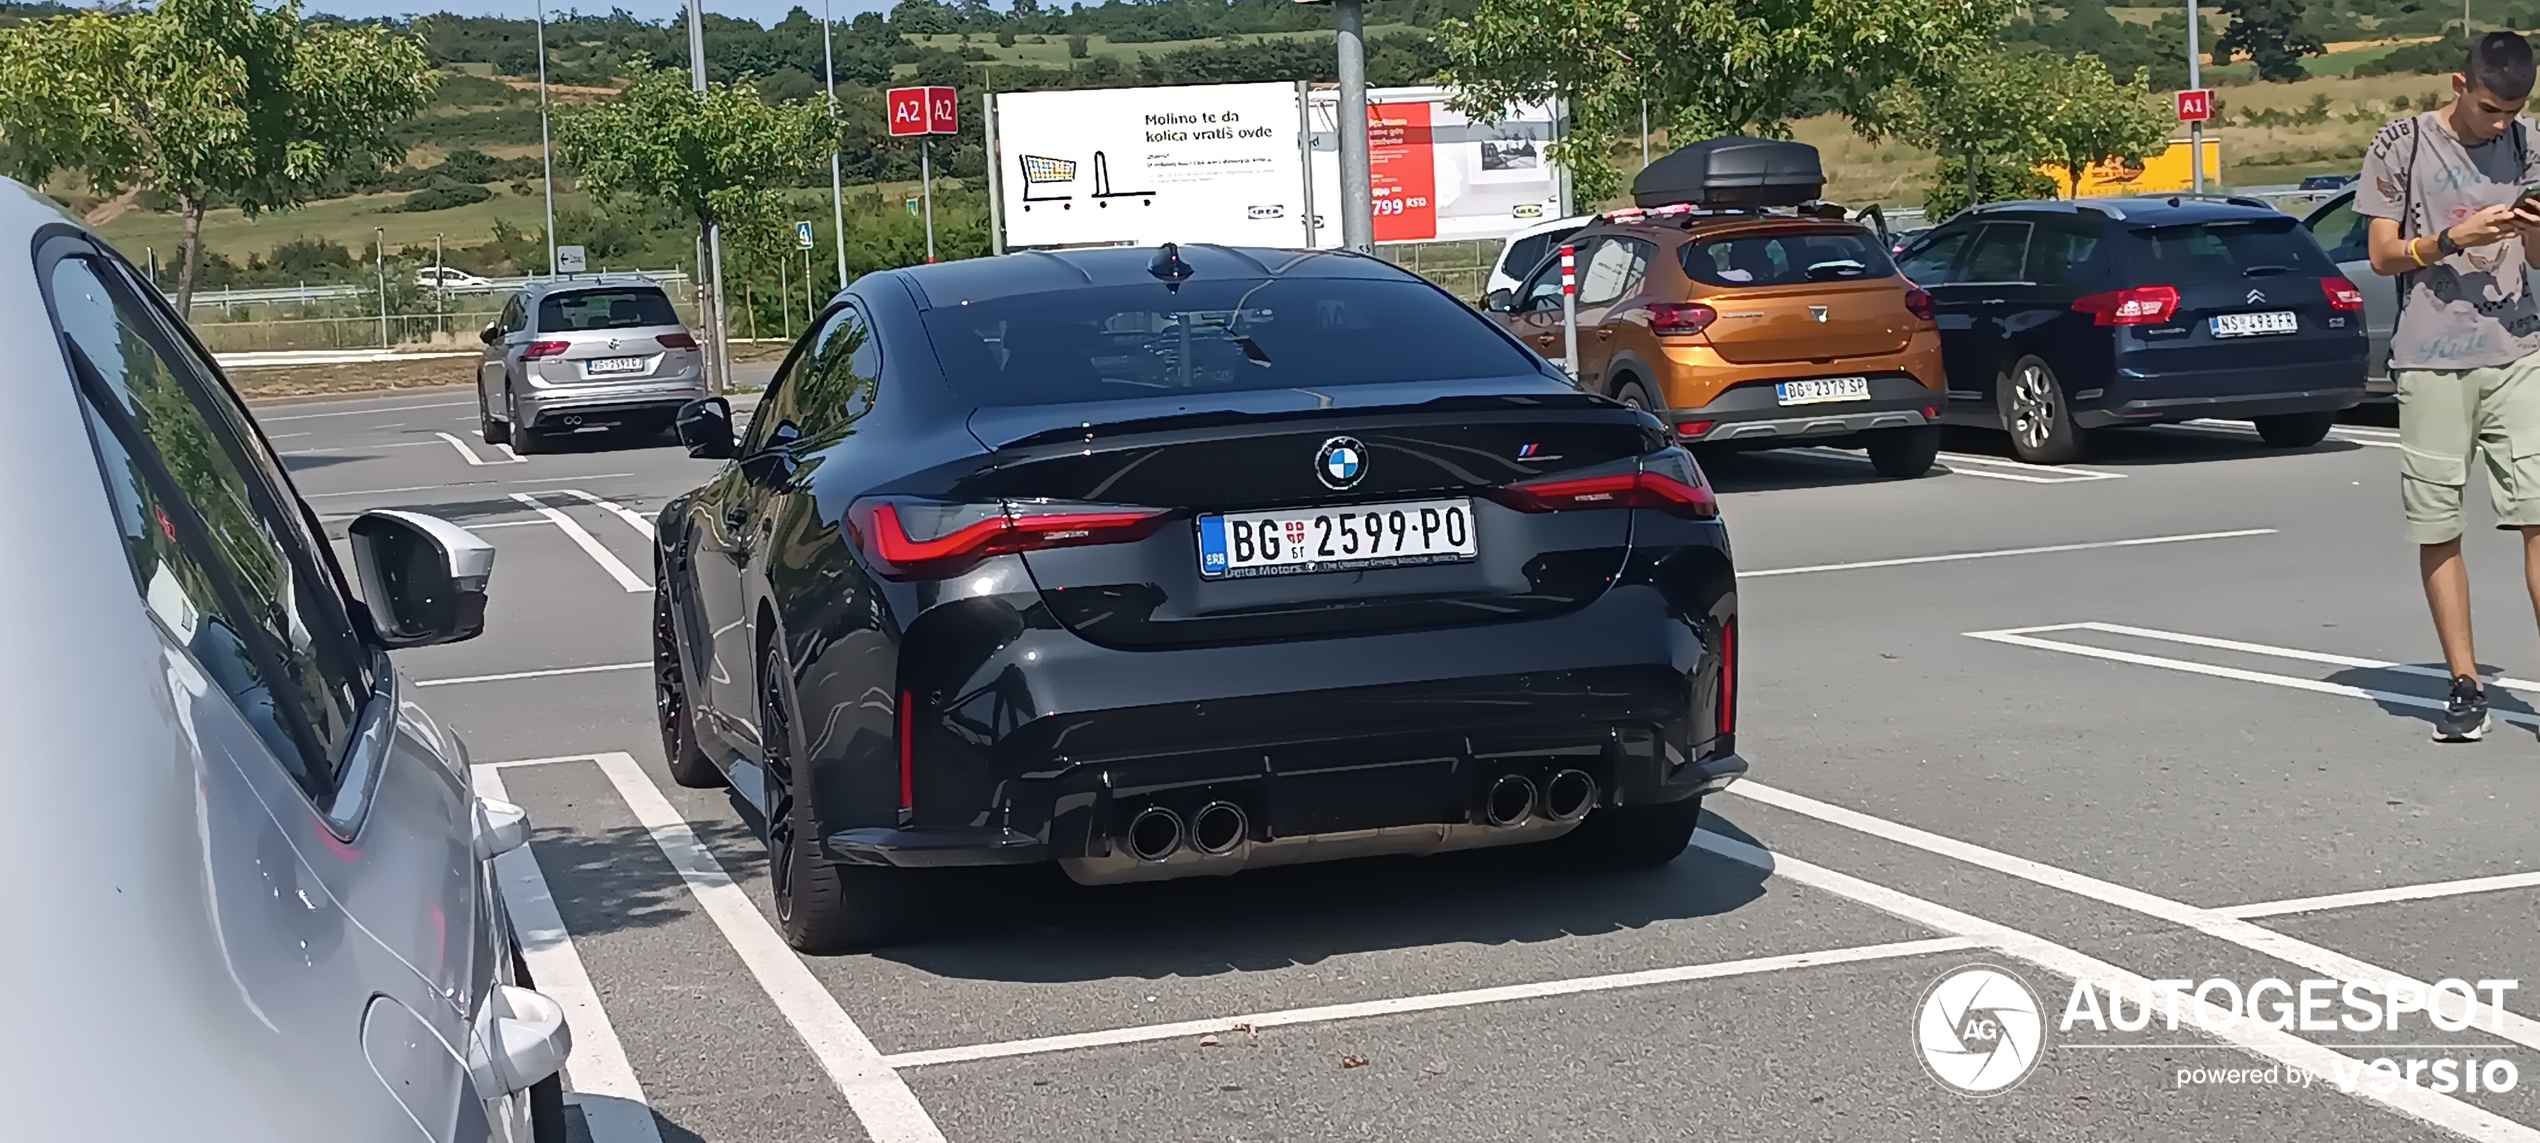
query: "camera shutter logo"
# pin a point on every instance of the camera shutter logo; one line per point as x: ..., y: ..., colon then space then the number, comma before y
x: 1980, y: 1030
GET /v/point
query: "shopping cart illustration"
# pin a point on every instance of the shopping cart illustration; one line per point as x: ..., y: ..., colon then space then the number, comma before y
x: 1043, y: 172
x: 1102, y: 181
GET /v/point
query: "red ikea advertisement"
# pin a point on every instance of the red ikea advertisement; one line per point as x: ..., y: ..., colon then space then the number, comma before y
x: 1402, y: 172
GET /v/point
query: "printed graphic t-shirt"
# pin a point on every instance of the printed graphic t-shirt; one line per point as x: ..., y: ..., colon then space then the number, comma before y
x: 2473, y: 309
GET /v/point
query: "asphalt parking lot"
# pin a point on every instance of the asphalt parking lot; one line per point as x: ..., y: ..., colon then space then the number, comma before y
x: 2159, y: 716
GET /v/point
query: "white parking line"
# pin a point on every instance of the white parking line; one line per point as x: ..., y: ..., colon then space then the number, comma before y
x: 361, y: 411
x: 2244, y: 429
x: 2426, y: 892
x: 2210, y: 922
x: 589, y: 544
x: 1429, y: 1003
x: 603, y: 1083
x: 351, y: 448
x: 510, y: 675
x: 633, y: 519
x: 469, y: 455
x: 1903, y: 561
x: 2409, y: 1099
x: 880, y: 1099
x: 2021, y: 637
x: 461, y: 484
x: 1990, y: 468
x: 2508, y: 683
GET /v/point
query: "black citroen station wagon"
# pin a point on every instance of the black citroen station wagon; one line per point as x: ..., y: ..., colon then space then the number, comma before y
x: 1171, y: 563
x: 2058, y: 319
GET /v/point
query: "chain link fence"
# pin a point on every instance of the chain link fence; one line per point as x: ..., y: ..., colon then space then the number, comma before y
x: 1460, y: 268
x: 280, y: 324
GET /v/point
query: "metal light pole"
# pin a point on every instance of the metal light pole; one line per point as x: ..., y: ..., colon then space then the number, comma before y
x: 926, y: 178
x: 837, y: 195
x: 546, y: 150
x: 720, y: 378
x: 380, y: 236
x: 1358, y: 208
x: 2195, y: 82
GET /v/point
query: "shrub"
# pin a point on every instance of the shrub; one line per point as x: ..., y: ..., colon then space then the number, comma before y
x: 444, y: 194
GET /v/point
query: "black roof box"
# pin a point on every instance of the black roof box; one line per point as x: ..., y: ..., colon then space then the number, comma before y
x: 1735, y: 172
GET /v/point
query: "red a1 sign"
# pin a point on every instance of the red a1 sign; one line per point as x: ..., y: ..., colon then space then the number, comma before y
x: 2195, y: 106
x: 924, y: 110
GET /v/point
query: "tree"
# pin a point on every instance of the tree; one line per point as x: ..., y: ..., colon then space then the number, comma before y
x: 716, y: 155
x: 1707, y: 67
x: 2091, y: 117
x: 1982, y: 116
x: 204, y: 101
x: 2272, y: 34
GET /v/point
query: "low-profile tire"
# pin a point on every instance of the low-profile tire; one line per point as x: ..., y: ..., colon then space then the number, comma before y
x: 525, y: 441
x: 1633, y: 837
x: 821, y: 907
x: 2039, y: 414
x: 546, y: 1097
x: 2294, y: 430
x: 1636, y: 395
x: 689, y: 765
x: 492, y: 431
x: 1904, y: 453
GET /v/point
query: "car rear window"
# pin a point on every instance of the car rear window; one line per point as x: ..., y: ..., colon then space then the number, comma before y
x: 605, y: 309
x: 1227, y: 335
x: 1528, y: 252
x: 1786, y: 259
x: 2233, y: 248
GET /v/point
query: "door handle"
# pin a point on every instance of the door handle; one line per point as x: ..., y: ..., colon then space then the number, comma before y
x: 1602, y: 334
x: 735, y: 516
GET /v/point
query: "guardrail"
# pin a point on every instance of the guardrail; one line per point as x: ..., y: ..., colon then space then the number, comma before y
x: 226, y: 299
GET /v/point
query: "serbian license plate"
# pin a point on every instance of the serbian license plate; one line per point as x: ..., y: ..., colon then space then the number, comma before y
x: 1817, y: 389
x: 2255, y: 325
x: 606, y: 366
x: 1336, y: 539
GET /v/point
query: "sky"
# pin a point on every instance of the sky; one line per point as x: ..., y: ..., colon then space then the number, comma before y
x: 763, y: 11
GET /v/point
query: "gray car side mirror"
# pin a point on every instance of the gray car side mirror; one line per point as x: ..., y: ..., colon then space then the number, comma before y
x: 490, y: 334
x: 706, y: 428
x: 1500, y: 301
x: 423, y: 577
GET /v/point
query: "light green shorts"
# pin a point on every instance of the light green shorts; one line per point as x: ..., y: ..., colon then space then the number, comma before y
x: 2445, y: 415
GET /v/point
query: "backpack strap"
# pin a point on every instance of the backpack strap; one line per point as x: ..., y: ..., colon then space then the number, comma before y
x: 2407, y: 205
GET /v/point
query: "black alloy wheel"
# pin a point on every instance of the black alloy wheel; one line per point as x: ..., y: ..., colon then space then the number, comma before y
x: 689, y: 765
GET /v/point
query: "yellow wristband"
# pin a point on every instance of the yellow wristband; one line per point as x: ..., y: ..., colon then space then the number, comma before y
x: 2419, y: 259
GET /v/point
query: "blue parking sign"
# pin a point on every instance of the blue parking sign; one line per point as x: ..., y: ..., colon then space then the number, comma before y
x: 802, y: 235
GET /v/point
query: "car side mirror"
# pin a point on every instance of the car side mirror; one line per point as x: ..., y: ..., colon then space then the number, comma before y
x: 705, y: 427
x: 490, y: 334
x: 1500, y: 301
x: 423, y: 577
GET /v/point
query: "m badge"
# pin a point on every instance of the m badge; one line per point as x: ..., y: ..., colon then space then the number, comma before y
x: 1817, y: 312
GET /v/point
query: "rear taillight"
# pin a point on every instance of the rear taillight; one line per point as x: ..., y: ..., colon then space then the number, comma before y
x: 538, y: 349
x: 2342, y: 295
x: 676, y: 341
x: 1694, y: 429
x: 1918, y: 302
x: 1624, y: 490
x: 1728, y: 677
x: 1674, y: 319
x: 2134, y: 305
x: 912, y: 540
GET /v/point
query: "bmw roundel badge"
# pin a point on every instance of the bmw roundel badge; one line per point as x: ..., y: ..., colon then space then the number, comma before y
x: 1341, y: 463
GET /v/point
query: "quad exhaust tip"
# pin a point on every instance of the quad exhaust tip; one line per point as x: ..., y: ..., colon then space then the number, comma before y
x: 1568, y: 796
x: 1510, y: 802
x: 1154, y: 834
x: 1219, y: 828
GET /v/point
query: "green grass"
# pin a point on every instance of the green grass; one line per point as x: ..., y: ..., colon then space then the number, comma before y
x: 349, y: 221
x: 1054, y: 53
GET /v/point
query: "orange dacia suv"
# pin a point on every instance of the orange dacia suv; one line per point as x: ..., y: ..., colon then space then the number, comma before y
x: 1747, y: 327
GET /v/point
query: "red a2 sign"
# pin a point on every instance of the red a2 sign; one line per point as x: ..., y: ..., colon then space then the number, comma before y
x: 924, y: 110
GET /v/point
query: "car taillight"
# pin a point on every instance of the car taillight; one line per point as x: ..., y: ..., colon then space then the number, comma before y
x: 2342, y: 295
x: 1623, y: 490
x: 914, y: 540
x: 538, y: 349
x: 1694, y: 429
x: 1674, y: 319
x: 1728, y: 677
x: 2134, y: 305
x: 1918, y: 302
x: 676, y: 341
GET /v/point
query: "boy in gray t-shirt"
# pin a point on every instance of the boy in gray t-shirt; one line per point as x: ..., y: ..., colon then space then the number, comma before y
x: 2443, y: 190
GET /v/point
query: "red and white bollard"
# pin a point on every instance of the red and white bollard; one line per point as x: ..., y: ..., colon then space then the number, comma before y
x: 1570, y: 310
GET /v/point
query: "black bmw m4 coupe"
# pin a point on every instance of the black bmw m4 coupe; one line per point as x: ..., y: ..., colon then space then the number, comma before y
x: 1173, y: 562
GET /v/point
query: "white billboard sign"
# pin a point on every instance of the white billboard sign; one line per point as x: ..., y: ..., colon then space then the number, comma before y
x: 1142, y: 166
x: 1437, y: 174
